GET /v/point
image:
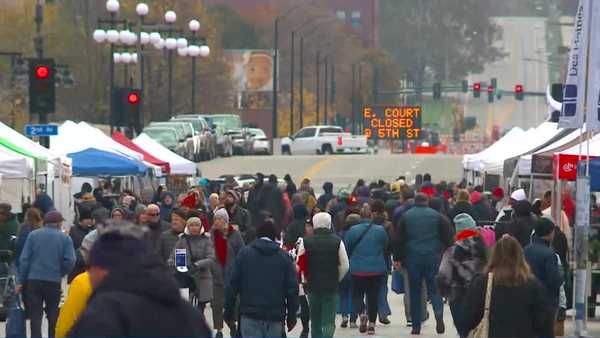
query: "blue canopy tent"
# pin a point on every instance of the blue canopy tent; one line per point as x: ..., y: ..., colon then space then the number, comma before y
x: 92, y: 162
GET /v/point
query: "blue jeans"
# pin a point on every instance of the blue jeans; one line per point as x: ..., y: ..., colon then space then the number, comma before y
x: 252, y: 328
x: 345, y: 294
x: 383, y: 307
x: 419, y: 268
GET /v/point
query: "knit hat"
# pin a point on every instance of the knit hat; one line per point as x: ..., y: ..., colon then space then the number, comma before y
x: 518, y: 195
x: 189, y: 201
x: 322, y: 220
x: 114, y: 249
x: 464, y: 222
x: 543, y: 227
x: 498, y: 193
x: 475, y: 197
x: 193, y: 220
x: 222, y: 214
x: 267, y: 229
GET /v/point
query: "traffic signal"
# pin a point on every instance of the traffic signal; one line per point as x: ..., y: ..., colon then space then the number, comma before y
x: 42, y: 78
x: 126, y: 105
x: 490, y: 92
x: 477, y: 89
x: 465, y: 86
x: 437, y: 91
x: 519, y: 94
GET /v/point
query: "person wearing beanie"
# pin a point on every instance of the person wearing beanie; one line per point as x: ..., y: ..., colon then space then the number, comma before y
x: 77, y: 234
x: 461, y: 263
x: 47, y: 257
x: 200, y: 256
x: 227, y: 242
x: 133, y: 295
x: 239, y: 217
x: 317, y: 256
x: 544, y: 264
x: 264, y: 278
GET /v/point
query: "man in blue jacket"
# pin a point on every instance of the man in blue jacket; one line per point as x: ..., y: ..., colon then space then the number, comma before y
x: 422, y: 235
x: 543, y: 261
x: 265, y: 279
x: 47, y: 257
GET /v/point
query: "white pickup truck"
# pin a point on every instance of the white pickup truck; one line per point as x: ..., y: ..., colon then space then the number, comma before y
x: 323, y: 140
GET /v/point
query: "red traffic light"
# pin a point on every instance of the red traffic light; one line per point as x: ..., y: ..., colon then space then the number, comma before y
x: 518, y: 88
x: 490, y: 89
x: 133, y: 98
x: 42, y: 72
x: 477, y: 87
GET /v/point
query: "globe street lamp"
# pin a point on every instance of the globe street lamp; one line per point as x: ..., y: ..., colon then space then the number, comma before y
x: 171, y: 44
x: 194, y: 52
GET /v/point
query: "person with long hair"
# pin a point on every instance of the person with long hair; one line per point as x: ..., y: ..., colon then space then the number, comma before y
x: 518, y: 306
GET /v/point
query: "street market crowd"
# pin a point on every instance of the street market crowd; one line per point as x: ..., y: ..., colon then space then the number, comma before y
x: 263, y: 255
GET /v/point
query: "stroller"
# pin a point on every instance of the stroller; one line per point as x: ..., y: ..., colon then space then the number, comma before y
x: 7, y: 283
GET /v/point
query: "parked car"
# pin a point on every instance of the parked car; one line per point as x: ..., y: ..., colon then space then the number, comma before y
x: 167, y: 137
x: 230, y: 122
x: 224, y: 144
x: 208, y: 149
x: 323, y: 140
x: 260, y: 142
x: 242, y: 142
x: 185, y: 133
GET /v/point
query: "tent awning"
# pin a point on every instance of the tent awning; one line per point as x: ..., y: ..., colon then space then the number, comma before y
x: 14, y: 165
x: 122, y: 139
x: 178, y: 164
x: 93, y: 162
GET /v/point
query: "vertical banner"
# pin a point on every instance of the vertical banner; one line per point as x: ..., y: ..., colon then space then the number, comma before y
x: 593, y: 96
x: 571, y: 115
x: 581, y: 245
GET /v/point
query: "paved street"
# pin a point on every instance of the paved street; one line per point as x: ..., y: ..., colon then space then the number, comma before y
x: 341, y: 170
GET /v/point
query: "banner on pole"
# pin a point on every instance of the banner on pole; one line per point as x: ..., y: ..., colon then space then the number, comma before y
x: 593, y: 97
x: 571, y: 115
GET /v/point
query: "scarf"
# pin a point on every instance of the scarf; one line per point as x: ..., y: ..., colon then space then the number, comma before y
x: 221, y: 246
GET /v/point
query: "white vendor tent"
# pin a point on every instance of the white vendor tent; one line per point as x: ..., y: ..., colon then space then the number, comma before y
x: 473, y: 161
x: 178, y: 164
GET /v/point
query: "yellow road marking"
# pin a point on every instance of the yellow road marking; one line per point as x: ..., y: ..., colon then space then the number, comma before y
x: 317, y: 167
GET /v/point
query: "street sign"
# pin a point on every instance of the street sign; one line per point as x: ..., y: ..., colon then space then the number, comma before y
x: 41, y: 130
x: 392, y: 122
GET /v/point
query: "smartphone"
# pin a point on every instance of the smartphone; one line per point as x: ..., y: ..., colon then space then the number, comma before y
x: 181, y: 260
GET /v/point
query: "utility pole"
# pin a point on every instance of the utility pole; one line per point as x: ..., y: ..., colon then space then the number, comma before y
x: 275, y: 63
x: 301, y: 82
x: 292, y: 83
x: 38, y: 42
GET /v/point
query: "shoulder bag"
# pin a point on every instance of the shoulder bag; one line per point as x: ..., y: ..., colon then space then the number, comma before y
x: 360, y: 238
x: 483, y: 329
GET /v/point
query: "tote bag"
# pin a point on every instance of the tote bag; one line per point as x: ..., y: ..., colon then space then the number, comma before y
x: 15, y: 321
x: 483, y: 329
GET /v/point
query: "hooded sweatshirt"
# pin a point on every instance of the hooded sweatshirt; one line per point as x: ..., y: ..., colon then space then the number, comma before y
x: 165, y: 210
x: 140, y: 299
x: 264, y: 277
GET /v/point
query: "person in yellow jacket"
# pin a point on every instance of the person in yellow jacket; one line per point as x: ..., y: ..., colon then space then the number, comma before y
x: 76, y: 301
x: 79, y: 293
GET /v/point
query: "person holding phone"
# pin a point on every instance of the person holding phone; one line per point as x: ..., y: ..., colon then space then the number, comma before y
x: 196, y: 249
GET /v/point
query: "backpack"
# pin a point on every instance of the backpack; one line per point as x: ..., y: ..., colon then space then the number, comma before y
x: 489, y: 235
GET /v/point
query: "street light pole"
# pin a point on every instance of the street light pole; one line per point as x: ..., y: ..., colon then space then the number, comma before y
x: 292, y: 84
x: 170, y: 18
x: 352, y: 98
x: 301, y: 82
x: 193, y: 76
x: 326, y: 89
x: 275, y: 71
x: 318, y: 86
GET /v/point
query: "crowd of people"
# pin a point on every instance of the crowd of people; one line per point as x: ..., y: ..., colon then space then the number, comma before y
x: 263, y: 255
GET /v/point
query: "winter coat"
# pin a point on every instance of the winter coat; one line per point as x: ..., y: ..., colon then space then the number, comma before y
x: 461, y: 207
x: 168, y: 240
x: 78, y: 233
x: 324, y: 199
x: 235, y: 243
x: 520, y: 227
x: 422, y: 231
x: 48, y: 255
x: 544, y: 265
x: 24, y: 231
x: 514, y: 311
x: 7, y: 231
x: 165, y: 210
x: 153, y: 233
x: 265, y: 279
x: 200, y: 260
x: 80, y: 291
x: 401, y: 209
x: 140, y: 300
x: 243, y: 219
x: 368, y: 255
x: 271, y: 201
x: 483, y: 211
x: 460, y: 264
